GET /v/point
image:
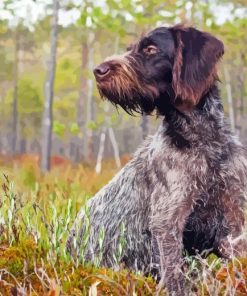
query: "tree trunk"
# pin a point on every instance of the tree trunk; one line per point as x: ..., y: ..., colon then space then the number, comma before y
x: 101, y: 151
x: 88, y: 132
x: 115, y: 147
x: 49, y: 89
x: 241, y: 84
x: 15, y: 94
x: 144, y: 126
x: 81, y: 103
x: 229, y: 99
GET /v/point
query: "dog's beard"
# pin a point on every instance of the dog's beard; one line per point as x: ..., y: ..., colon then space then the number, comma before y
x: 125, y: 89
x: 131, y: 102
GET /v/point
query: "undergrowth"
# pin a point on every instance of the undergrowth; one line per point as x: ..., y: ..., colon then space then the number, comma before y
x: 36, y: 214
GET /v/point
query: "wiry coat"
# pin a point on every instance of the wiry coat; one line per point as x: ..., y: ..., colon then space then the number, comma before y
x: 184, y: 188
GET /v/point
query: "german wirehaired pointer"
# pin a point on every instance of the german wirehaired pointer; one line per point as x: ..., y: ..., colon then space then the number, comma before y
x: 185, y: 187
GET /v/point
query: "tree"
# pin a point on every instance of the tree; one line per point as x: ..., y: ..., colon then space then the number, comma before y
x: 15, y: 93
x: 49, y: 92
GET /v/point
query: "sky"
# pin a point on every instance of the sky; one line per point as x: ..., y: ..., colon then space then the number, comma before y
x: 28, y: 12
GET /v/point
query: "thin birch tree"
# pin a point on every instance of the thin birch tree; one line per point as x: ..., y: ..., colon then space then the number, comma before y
x: 144, y: 126
x: 229, y: 99
x: 88, y: 132
x: 49, y: 92
x: 15, y: 94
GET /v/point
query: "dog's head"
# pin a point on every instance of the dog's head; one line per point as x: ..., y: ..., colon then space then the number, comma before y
x: 173, y: 65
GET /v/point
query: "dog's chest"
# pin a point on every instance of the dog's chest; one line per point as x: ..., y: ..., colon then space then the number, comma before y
x: 188, y: 169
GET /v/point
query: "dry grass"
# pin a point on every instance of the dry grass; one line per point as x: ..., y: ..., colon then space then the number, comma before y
x: 36, y: 213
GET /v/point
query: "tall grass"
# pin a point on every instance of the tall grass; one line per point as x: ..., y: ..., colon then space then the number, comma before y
x: 36, y: 214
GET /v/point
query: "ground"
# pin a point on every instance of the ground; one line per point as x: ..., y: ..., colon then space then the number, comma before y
x: 36, y: 213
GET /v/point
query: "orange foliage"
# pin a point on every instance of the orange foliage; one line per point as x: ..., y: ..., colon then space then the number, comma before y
x: 236, y: 273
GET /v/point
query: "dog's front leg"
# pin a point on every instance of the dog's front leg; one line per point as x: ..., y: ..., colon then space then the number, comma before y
x: 235, y: 243
x: 167, y: 225
x: 170, y: 249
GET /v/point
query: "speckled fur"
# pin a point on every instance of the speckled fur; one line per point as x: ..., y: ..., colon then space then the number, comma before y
x: 161, y: 187
x: 184, y: 188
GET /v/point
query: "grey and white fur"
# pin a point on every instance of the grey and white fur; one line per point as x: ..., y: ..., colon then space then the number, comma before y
x: 185, y: 188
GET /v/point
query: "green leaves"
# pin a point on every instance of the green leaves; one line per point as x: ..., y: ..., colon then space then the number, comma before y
x: 29, y: 98
x: 74, y: 128
x: 59, y: 128
x: 92, y: 125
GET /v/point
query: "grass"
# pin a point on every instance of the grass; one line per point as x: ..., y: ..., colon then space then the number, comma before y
x: 36, y: 213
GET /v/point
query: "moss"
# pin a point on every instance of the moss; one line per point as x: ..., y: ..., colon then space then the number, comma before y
x: 12, y: 260
x: 40, y: 220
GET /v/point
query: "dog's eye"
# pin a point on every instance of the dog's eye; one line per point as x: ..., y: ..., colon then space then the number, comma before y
x: 151, y: 49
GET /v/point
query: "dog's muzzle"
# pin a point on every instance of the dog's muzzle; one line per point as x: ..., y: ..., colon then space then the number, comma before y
x: 102, y: 71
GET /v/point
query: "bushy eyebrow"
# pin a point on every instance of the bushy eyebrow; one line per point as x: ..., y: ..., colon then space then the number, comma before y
x: 145, y: 41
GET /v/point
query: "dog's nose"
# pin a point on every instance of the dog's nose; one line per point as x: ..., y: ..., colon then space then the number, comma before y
x: 102, y: 70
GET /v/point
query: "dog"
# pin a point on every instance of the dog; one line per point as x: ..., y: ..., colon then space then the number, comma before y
x: 185, y: 187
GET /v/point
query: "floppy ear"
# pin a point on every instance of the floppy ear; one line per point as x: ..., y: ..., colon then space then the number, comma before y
x: 194, y: 70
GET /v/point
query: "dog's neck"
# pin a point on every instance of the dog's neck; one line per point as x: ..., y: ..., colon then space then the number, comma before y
x: 204, y: 124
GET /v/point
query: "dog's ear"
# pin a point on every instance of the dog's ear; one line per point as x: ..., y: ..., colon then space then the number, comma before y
x: 194, y: 70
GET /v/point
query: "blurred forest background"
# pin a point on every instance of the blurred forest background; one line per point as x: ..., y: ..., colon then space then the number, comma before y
x: 49, y: 104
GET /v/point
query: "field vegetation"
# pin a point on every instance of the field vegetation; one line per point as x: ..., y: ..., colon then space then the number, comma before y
x: 36, y: 213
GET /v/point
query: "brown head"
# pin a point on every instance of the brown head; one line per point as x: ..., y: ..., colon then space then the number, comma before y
x: 173, y: 66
